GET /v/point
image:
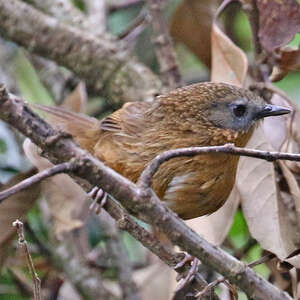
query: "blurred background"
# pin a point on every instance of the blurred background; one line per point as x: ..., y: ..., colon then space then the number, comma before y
x: 40, y: 81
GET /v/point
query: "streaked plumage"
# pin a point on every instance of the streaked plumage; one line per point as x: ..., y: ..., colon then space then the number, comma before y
x: 203, y: 114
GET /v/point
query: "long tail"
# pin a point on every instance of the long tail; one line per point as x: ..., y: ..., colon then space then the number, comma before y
x: 85, y: 129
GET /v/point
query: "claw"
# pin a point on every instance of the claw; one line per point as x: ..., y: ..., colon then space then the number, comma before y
x: 99, y: 199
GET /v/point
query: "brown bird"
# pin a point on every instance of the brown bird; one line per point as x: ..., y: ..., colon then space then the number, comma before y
x: 203, y: 114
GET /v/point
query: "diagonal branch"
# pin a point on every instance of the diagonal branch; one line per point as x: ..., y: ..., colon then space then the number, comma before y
x: 145, y: 203
x: 101, y: 62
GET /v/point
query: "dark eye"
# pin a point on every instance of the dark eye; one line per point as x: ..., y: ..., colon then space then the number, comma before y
x: 239, y: 110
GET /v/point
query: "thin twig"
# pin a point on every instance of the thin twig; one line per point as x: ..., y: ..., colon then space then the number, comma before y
x: 23, y: 244
x: 135, y: 28
x: 61, y: 168
x: 262, y: 260
x: 221, y: 8
x: 165, y: 52
x: 216, y: 282
x: 117, y: 5
x: 210, y: 286
x: 251, y: 9
x: 145, y: 179
x: 272, y: 88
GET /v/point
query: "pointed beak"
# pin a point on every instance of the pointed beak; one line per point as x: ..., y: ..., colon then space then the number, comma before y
x: 272, y: 110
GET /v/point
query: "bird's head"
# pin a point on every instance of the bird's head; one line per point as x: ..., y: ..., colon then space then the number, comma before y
x: 221, y: 109
x: 239, y: 109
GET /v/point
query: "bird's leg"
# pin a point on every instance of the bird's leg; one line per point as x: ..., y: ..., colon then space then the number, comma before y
x: 99, y: 199
x: 192, y: 271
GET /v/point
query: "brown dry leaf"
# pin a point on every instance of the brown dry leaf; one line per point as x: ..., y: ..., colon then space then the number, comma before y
x: 15, y: 207
x: 276, y: 128
x: 279, y: 21
x: 65, y: 198
x: 283, y: 131
x: 191, y: 25
x: 263, y: 208
x: 229, y: 62
x: 76, y: 101
x: 154, y: 282
x: 214, y: 228
x: 224, y: 57
x: 289, y: 61
x: 283, y: 137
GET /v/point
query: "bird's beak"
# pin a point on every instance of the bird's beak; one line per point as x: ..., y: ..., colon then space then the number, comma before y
x: 272, y: 110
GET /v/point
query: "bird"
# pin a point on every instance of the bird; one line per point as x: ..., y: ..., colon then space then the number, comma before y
x: 201, y: 114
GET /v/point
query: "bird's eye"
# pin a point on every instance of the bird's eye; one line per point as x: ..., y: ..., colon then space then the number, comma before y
x: 239, y: 110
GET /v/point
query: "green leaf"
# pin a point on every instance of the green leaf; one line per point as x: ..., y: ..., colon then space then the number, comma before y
x: 3, y: 147
x: 30, y: 85
x: 239, y: 233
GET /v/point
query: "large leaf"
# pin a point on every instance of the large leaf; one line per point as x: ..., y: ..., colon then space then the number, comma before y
x: 279, y: 21
x: 191, y: 25
x: 263, y: 207
x: 215, y: 227
x: 229, y: 62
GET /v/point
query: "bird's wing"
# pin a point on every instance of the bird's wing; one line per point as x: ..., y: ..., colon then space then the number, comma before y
x: 121, y: 144
x: 129, y: 120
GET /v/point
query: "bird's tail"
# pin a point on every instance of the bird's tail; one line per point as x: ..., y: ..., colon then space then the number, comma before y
x: 85, y: 129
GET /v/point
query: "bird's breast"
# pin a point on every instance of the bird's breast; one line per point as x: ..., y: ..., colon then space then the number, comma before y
x: 197, y: 186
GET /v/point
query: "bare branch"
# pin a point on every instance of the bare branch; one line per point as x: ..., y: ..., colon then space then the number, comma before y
x: 165, y: 52
x: 97, y: 15
x: 61, y: 168
x: 65, y: 11
x: 262, y: 260
x: 145, y: 179
x: 209, y: 287
x: 141, y: 202
x: 23, y: 243
x: 135, y: 28
x: 96, y: 60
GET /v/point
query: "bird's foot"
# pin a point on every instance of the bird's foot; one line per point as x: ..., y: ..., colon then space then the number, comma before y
x: 99, y: 198
x: 191, y: 273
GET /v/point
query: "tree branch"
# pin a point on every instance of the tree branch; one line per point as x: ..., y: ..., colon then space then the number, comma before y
x: 106, y: 66
x: 165, y: 52
x: 145, y: 179
x: 61, y: 148
x: 64, y: 10
x: 23, y: 243
x: 61, y: 168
